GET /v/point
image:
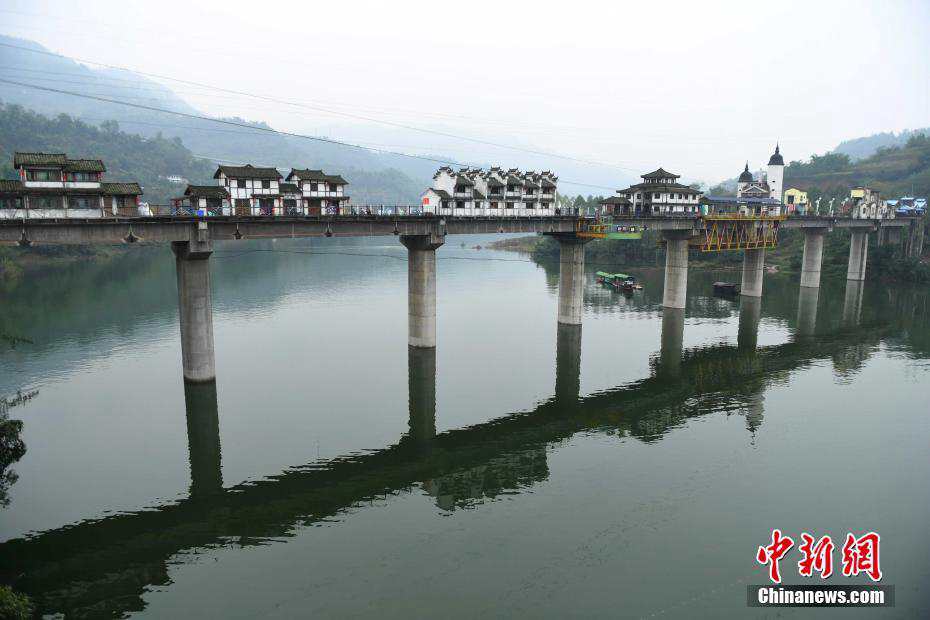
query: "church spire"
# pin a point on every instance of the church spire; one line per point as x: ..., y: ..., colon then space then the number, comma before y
x: 776, y: 159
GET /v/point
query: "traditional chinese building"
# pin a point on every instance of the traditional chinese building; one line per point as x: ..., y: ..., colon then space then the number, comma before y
x: 320, y: 193
x: 55, y: 185
x: 203, y: 200
x: 253, y: 190
x: 474, y: 191
x: 659, y: 193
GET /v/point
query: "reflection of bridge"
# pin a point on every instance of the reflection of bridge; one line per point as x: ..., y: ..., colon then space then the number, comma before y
x: 103, y: 567
x: 192, y: 242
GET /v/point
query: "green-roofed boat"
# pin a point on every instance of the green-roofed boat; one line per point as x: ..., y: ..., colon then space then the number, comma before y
x: 618, y: 281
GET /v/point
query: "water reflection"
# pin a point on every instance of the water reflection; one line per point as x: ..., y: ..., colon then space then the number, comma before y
x: 750, y: 311
x: 672, y: 341
x: 421, y: 386
x: 567, y: 364
x: 852, y: 302
x: 106, y: 565
x: 103, y: 567
x: 808, y: 298
x: 203, y: 438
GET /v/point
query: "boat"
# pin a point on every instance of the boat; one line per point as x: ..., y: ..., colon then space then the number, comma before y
x: 618, y: 281
x: 725, y: 289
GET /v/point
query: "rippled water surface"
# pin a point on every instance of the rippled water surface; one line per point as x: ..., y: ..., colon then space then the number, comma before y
x: 627, y: 469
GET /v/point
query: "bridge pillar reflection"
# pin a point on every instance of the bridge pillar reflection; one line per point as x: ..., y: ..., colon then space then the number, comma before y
x: 807, y: 310
x: 571, y: 278
x: 813, y: 257
x: 421, y: 393
x: 753, y: 267
x: 750, y: 311
x: 195, y: 307
x: 858, y: 253
x: 852, y: 302
x: 421, y: 288
x: 567, y: 363
x: 203, y: 438
x: 672, y: 341
x: 675, y: 291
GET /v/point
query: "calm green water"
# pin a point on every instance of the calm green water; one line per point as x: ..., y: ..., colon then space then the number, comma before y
x: 524, y: 470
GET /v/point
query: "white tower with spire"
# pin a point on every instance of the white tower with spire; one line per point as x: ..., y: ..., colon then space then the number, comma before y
x: 776, y: 175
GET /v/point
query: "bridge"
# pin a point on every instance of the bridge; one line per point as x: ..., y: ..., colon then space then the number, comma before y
x: 104, y: 567
x: 192, y: 242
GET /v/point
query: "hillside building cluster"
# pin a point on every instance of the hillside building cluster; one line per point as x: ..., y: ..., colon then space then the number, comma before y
x: 473, y: 191
x: 64, y: 187
x: 255, y: 190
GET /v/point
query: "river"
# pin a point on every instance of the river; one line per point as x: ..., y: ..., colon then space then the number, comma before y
x: 631, y: 469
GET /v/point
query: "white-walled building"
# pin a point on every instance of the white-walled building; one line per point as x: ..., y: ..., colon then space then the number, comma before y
x: 321, y: 193
x: 659, y: 193
x: 767, y: 185
x: 494, y: 192
x: 55, y: 185
x: 252, y: 190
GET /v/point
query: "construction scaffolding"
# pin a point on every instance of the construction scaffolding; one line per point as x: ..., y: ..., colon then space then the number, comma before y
x: 737, y: 232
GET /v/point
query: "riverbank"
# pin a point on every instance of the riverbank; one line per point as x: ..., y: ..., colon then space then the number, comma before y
x: 17, y: 262
x: 884, y: 261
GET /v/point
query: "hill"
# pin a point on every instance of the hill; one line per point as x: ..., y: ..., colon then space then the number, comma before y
x: 861, y: 148
x: 375, y: 178
x: 893, y: 170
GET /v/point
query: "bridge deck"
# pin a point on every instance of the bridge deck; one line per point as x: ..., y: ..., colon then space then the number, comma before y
x: 164, y: 229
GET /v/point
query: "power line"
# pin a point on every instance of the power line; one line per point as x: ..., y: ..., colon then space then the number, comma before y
x: 254, y: 127
x: 330, y: 111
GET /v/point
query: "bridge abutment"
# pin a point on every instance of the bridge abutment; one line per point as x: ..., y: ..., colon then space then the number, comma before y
x: 675, y: 292
x: 571, y: 278
x: 195, y: 308
x: 753, y: 269
x: 813, y: 257
x: 421, y: 288
x: 858, y: 255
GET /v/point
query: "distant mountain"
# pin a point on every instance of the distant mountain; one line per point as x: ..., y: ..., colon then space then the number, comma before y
x: 373, y: 177
x: 861, y: 148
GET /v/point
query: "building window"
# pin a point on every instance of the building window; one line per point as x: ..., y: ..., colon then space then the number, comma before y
x: 11, y: 202
x: 43, y: 175
x: 266, y: 184
x: 45, y: 202
x: 493, y: 205
x: 445, y: 204
x: 240, y: 183
x: 459, y: 204
x: 81, y: 202
x: 509, y: 205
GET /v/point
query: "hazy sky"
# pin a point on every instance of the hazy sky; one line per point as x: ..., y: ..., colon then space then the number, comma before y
x: 697, y: 87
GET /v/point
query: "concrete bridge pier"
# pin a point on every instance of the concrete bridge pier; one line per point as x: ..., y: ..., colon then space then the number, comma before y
x: 195, y: 307
x: 203, y: 438
x: 672, y: 341
x: 567, y: 364
x: 858, y: 253
x: 753, y: 268
x: 813, y: 257
x: 807, y: 311
x: 675, y: 292
x: 571, y: 278
x: 421, y: 288
x: 750, y: 312
x: 421, y: 393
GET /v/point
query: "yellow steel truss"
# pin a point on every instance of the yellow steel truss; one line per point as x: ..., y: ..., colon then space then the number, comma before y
x: 737, y: 232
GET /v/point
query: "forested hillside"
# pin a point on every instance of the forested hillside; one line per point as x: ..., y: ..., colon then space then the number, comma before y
x: 892, y: 170
x: 128, y: 157
x: 149, y: 160
x: 860, y: 148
